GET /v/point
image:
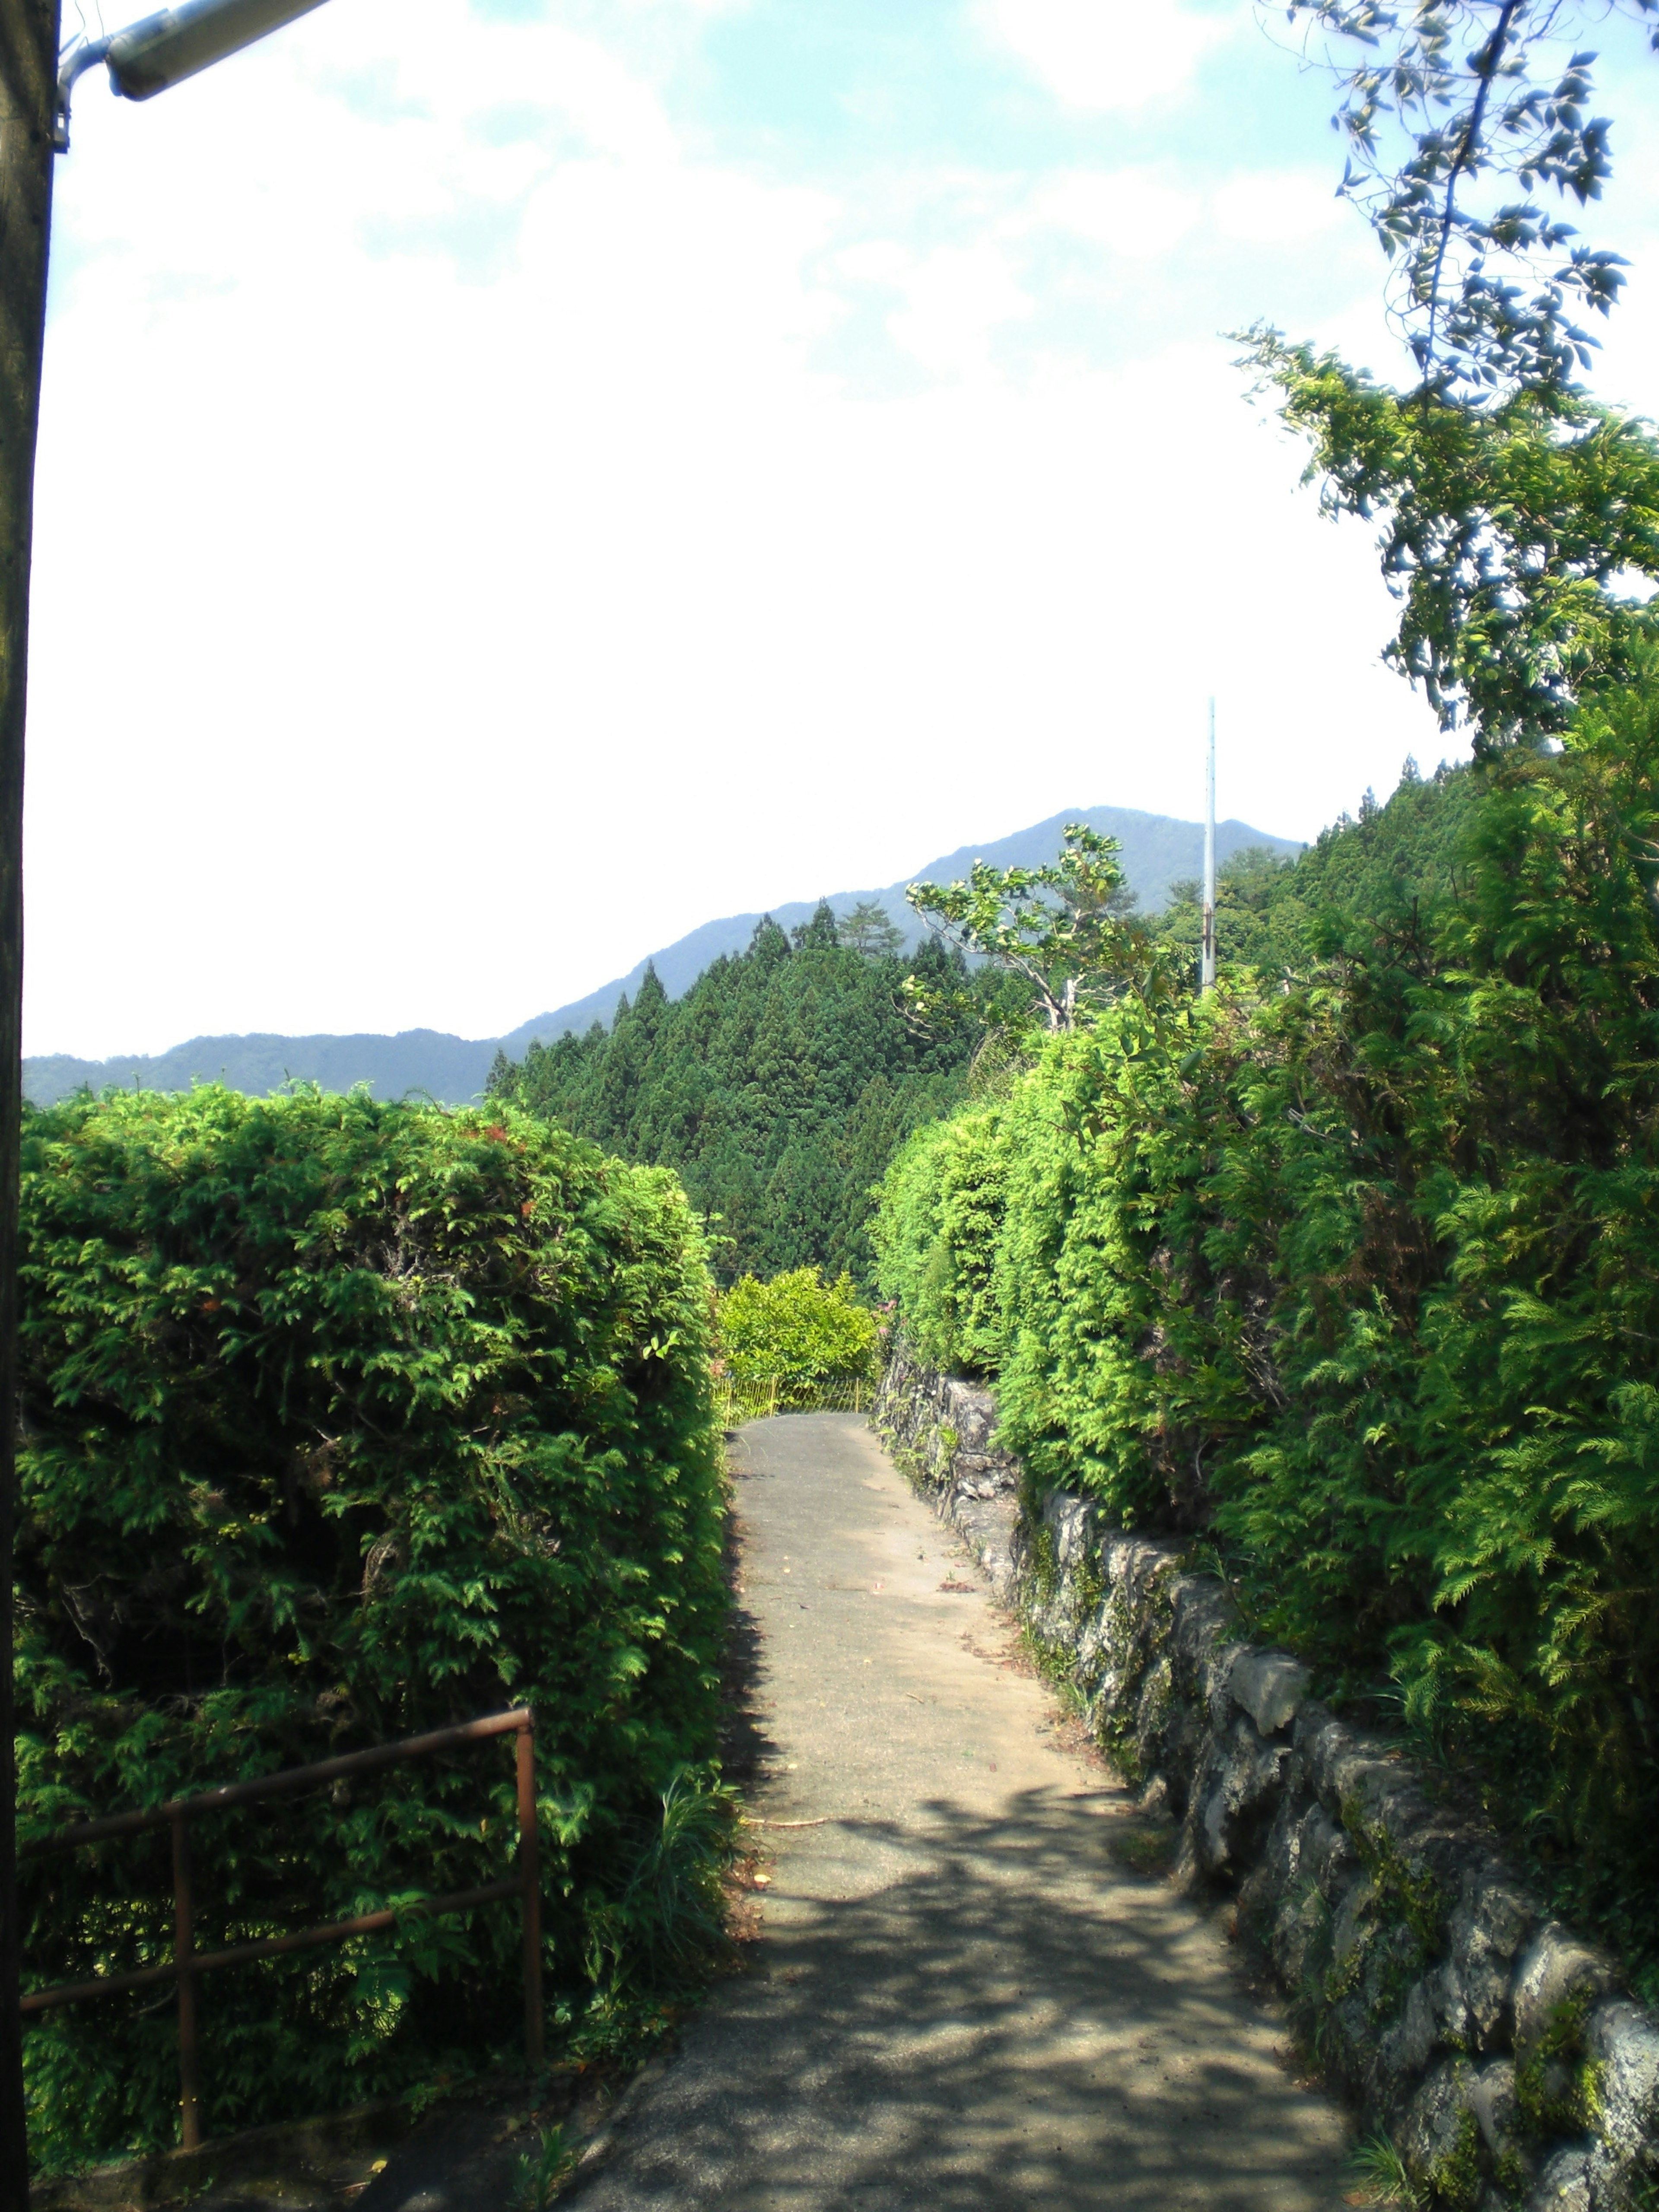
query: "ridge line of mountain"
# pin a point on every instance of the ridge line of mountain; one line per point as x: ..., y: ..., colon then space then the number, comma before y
x: 1159, y: 850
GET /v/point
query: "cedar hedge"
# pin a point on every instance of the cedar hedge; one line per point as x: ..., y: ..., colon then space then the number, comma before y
x: 343, y: 1420
x: 1351, y: 1272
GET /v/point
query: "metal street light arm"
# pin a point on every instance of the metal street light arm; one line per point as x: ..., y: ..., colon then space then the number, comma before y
x: 84, y: 54
x: 164, y: 49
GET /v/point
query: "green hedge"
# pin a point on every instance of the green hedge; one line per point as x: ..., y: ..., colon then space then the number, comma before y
x: 1354, y: 1273
x: 344, y: 1420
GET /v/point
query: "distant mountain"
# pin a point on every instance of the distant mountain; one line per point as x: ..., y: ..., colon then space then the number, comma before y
x: 1158, y: 852
x: 451, y: 1069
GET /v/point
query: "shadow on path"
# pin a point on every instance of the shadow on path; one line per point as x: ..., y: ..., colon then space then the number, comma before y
x: 976, y: 2036
x: 961, y: 2000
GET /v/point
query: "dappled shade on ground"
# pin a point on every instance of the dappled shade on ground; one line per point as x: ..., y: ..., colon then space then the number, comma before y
x: 961, y: 1998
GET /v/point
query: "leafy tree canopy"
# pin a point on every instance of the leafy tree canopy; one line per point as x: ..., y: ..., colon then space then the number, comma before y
x: 1510, y: 534
x: 870, y: 929
x: 1467, y: 126
x: 1063, y: 929
x: 798, y: 1329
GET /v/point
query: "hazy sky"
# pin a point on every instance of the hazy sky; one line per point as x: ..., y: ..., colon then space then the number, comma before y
x: 519, y: 478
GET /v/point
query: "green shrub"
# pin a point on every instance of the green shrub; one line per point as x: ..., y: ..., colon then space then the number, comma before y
x: 797, y: 1330
x: 344, y: 1420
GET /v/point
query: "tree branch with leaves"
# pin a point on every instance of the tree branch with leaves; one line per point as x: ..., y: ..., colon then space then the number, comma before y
x: 1518, y: 516
x: 1063, y: 930
x: 1446, y: 107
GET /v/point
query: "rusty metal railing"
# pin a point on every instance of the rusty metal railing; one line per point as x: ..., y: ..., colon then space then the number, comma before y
x: 187, y: 1964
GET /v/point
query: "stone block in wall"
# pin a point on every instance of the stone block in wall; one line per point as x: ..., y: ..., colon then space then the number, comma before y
x: 1489, y: 1926
x: 1621, y: 2042
x: 1463, y: 2138
x: 1094, y: 1653
x: 971, y: 1411
x: 1565, y: 2183
x: 1203, y: 1637
x: 1235, y: 1792
x: 1306, y: 1863
x: 990, y: 1528
x: 1072, y: 1524
x: 984, y: 1474
x: 1166, y: 1731
x: 1557, y: 1969
x: 1270, y: 1686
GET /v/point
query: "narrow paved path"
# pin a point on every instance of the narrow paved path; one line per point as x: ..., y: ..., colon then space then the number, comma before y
x: 960, y: 2000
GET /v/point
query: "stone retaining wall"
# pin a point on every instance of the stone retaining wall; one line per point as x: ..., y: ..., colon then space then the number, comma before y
x: 1428, y: 1981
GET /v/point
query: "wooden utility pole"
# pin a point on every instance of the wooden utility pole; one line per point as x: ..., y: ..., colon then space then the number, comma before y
x: 28, y: 74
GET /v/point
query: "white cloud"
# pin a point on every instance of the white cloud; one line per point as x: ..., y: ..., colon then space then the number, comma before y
x: 424, y: 633
x: 957, y: 298
x: 1133, y: 213
x: 1102, y: 53
x: 880, y: 261
x: 1278, y: 208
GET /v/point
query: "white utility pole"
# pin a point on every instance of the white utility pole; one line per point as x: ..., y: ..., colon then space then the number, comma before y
x: 1207, y: 958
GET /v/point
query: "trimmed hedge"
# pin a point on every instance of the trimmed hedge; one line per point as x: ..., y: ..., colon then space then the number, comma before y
x: 1352, y: 1273
x: 344, y: 1420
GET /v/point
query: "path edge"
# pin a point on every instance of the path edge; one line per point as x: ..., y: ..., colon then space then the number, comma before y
x: 1426, y: 1982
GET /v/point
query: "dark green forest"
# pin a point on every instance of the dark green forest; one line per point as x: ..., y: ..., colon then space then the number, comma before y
x: 782, y: 1084
x: 779, y: 1087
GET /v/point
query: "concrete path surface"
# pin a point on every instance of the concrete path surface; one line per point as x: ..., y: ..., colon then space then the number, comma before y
x: 960, y: 1999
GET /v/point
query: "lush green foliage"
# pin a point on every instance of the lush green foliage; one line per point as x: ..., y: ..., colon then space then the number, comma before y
x: 797, y: 1330
x: 937, y: 1233
x: 1351, y: 1269
x: 345, y: 1421
x: 1448, y: 109
x: 778, y: 1088
x: 1510, y: 534
x: 1061, y: 930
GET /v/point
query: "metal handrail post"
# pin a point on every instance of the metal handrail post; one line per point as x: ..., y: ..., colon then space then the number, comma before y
x: 530, y: 1877
x: 188, y: 1965
x: 183, y: 1954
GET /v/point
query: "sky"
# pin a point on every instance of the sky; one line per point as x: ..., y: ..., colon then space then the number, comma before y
x: 520, y: 477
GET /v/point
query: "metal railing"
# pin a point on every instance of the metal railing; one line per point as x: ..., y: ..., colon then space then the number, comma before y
x: 187, y: 1964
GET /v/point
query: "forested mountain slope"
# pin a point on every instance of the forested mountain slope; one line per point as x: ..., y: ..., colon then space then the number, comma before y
x: 1157, y: 850
x: 778, y: 1087
x: 1380, y: 874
